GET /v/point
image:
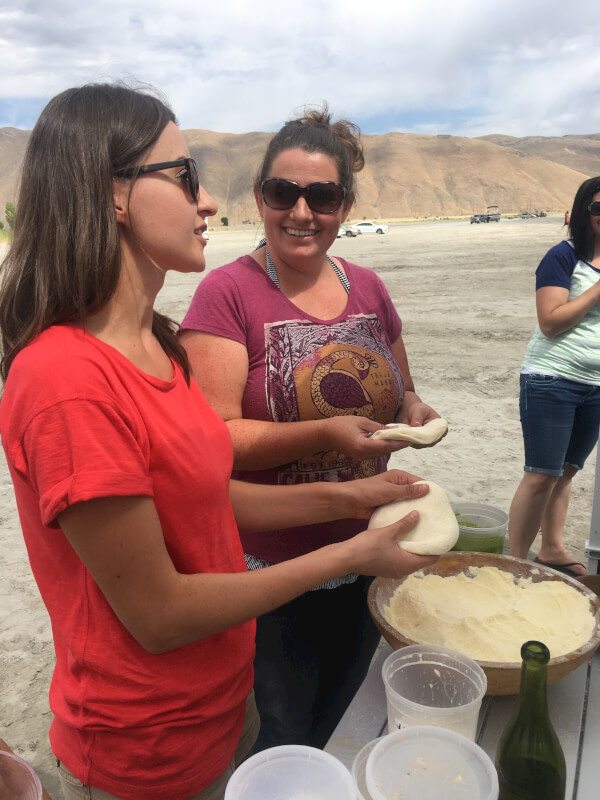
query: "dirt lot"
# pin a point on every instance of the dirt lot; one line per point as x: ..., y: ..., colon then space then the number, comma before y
x: 466, y: 296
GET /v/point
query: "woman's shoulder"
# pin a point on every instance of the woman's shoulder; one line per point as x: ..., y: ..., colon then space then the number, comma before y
x: 557, y: 266
x: 244, y: 268
x: 359, y: 273
x: 62, y: 359
x: 364, y: 278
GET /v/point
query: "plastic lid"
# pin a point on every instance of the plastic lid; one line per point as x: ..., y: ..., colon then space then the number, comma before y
x: 430, y: 763
x: 359, y: 769
x: 293, y: 772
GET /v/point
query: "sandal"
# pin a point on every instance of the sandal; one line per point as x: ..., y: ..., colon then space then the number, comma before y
x: 564, y: 568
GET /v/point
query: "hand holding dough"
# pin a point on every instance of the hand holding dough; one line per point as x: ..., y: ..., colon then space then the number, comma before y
x: 429, y: 433
x: 435, y: 533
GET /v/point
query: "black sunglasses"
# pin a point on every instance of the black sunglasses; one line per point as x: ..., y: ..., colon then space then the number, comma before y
x: 322, y: 197
x: 594, y: 208
x: 191, y: 173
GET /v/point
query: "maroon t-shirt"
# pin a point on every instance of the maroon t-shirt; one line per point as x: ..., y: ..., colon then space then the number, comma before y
x: 304, y: 368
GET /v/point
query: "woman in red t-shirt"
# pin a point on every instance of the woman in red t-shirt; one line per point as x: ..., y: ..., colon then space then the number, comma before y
x: 122, y: 470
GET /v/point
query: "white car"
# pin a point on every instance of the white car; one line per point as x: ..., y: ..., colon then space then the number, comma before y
x: 370, y: 227
x: 344, y: 231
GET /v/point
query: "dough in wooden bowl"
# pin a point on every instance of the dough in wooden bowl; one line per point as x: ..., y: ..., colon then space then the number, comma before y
x: 429, y: 433
x: 435, y: 533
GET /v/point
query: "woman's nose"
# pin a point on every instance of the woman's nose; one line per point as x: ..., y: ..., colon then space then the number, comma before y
x: 301, y: 209
x: 207, y: 205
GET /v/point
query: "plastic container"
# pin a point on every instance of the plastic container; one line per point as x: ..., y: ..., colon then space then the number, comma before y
x: 18, y: 781
x: 430, y: 685
x: 430, y: 764
x: 480, y: 527
x: 359, y: 770
x: 293, y: 772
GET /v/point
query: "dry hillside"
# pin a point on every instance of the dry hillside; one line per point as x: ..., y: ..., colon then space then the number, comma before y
x: 406, y: 175
x: 581, y: 153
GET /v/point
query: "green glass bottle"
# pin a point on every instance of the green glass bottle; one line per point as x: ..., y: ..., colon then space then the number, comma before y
x: 529, y: 759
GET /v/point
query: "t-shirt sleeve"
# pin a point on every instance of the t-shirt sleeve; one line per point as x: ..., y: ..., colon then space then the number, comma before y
x: 77, y: 450
x: 556, y: 267
x: 217, y: 308
x: 390, y: 317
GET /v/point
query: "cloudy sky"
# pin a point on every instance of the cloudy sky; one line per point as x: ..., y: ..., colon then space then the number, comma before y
x: 465, y: 67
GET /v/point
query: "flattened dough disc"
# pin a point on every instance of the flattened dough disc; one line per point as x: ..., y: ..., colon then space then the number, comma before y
x: 429, y: 433
x: 436, y: 531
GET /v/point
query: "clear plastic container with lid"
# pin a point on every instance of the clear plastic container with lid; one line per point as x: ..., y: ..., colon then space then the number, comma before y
x: 426, y: 684
x: 430, y: 764
x: 293, y: 772
x: 480, y: 527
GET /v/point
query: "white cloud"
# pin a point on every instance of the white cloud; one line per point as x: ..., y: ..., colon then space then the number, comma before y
x: 458, y: 66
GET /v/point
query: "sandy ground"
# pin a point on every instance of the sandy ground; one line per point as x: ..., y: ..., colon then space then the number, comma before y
x: 466, y: 296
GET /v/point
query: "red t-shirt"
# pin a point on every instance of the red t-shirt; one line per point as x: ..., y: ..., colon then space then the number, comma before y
x: 304, y: 368
x: 79, y: 421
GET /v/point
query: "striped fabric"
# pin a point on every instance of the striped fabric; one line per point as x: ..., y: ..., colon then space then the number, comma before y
x: 257, y: 563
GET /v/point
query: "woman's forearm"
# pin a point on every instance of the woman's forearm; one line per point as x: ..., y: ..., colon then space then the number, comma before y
x: 259, y: 507
x: 563, y: 317
x: 258, y: 444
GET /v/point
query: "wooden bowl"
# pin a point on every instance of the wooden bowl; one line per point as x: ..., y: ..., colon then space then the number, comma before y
x: 502, y: 677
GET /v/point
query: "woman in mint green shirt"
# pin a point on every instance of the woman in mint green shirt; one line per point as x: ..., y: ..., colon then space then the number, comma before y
x: 560, y: 385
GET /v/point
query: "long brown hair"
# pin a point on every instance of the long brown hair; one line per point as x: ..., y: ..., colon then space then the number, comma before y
x: 64, y: 263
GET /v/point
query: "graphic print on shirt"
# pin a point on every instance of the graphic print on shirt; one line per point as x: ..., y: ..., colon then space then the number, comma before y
x: 315, y: 371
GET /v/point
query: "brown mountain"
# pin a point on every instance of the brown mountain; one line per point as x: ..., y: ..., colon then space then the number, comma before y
x: 581, y: 153
x: 406, y: 175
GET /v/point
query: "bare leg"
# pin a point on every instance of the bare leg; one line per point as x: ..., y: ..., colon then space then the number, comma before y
x: 553, y: 523
x: 527, y: 510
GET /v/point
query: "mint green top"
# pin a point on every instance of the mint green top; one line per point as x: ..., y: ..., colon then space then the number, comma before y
x: 574, y: 354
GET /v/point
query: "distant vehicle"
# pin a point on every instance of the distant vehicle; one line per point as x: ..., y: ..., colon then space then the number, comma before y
x: 527, y: 215
x: 369, y: 227
x: 540, y: 214
x: 344, y: 231
x: 492, y: 214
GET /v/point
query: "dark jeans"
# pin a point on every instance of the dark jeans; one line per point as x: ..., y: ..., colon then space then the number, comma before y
x: 311, y: 656
x: 560, y: 421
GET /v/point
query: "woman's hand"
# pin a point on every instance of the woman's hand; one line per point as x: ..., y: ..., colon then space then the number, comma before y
x: 416, y: 415
x: 361, y: 497
x: 376, y: 551
x: 350, y: 435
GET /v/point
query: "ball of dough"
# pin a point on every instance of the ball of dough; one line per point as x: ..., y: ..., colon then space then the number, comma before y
x: 435, y: 533
x: 429, y: 433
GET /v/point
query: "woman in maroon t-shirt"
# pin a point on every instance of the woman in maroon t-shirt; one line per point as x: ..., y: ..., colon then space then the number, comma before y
x: 289, y: 334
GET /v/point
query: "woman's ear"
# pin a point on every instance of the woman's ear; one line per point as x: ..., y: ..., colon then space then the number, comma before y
x: 259, y: 200
x: 121, y: 191
x: 347, y: 206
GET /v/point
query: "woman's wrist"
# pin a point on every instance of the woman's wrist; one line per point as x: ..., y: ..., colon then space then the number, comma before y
x: 323, y: 437
x: 411, y: 398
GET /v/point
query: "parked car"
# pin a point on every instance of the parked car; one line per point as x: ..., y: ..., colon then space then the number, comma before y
x: 345, y: 231
x: 494, y: 216
x: 369, y: 227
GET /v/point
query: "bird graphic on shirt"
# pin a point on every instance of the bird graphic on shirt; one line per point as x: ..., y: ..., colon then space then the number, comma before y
x: 336, y: 386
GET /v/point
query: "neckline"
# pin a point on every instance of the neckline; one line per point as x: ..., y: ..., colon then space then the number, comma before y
x: 159, y: 383
x: 259, y: 269
x: 272, y: 271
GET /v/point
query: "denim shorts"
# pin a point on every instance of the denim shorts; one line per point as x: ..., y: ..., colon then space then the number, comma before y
x: 560, y: 421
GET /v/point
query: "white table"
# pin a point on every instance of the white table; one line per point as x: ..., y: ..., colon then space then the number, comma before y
x: 574, y: 704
